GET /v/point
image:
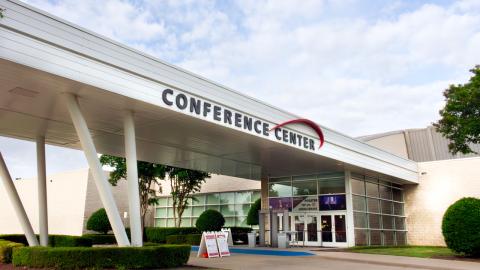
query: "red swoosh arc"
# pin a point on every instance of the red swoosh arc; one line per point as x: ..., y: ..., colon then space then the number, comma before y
x: 307, y: 122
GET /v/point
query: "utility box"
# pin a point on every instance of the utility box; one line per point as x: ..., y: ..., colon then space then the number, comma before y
x: 252, y: 239
x: 282, y: 240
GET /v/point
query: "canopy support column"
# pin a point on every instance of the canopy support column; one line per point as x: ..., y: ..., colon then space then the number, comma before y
x: 101, y: 181
x: 132, y: 180
x: 42, y: 191
x: 17, y: 203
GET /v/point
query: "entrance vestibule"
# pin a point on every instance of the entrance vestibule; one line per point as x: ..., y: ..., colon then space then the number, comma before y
x: 319, y: 229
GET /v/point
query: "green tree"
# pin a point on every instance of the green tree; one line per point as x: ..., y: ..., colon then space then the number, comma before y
x: 460, y: 121
x: 252, y: 217
x: 184, y: 183
x: 99, y: 222
x: 149, y: 176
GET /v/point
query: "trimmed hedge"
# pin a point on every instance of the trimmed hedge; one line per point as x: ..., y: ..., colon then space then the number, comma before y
x: 460, y: 226
x: 53, y: 240
x: 189, y: 239
x: 159, y: 235
x: 6, y: 248
x: 101, y: 239
x: 210, y: 221
x: 166, y: 256
x: 99, y: 222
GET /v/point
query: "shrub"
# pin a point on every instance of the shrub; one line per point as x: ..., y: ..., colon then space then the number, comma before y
x: 6, y: 248
x: 99, y: 222
x: 210, y: 220
x: 159, y: 235
x: 460, y: 226
x: 189, y: 239
x: 101, y: 239
x: 165, y: 256
x: 252, y: 217
x: 53, y: 240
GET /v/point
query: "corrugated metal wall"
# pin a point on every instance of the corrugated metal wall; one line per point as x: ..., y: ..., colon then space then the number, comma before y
x: 428, y: 145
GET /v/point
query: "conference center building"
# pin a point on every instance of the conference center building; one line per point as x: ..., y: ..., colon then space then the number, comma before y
x: 64, y: 85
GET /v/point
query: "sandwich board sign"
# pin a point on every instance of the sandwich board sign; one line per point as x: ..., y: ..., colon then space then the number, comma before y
x: 208, y: 246
x: 229, y: 237
x: 222, y: 243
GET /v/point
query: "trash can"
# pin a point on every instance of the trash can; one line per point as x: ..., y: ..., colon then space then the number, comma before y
x: 252, y: 239
x: 282, y: 240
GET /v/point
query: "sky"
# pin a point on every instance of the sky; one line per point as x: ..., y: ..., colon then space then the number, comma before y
x: 358, y: 67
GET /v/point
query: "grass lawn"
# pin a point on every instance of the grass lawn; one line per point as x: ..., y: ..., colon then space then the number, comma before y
x: 410, y: 251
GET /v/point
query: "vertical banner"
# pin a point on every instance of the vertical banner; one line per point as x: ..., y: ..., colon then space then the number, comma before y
x: 222, y: 243
x: 208, y: 246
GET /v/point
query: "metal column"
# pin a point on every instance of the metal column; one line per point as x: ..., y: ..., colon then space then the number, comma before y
x: 101, y: 181
x: 132, y: 180
x: 17, y: 203
x: 42, y: 191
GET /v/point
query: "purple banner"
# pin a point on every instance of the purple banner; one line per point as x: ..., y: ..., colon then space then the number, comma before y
x: 280, y: 203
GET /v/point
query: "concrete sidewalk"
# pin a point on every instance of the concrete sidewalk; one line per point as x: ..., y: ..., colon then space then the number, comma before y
x: 330, y: 261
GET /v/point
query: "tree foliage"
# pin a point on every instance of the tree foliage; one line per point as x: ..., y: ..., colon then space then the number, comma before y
x: 149, y: 176
x: 99, y: 222
x: 460, y: 226
x: 210, y: 221
x: 460, y: 121
x: 252, y: 217
x: 184, y: 183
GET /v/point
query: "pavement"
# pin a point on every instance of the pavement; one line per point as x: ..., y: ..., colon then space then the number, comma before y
x: 327, y: 260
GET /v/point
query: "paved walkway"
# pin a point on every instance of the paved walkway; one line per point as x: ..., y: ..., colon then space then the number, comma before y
x: 330, y: 261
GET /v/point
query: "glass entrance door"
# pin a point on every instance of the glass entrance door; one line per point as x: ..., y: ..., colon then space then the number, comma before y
x: 311, y: 234
x: 334, y: 230
x: 319, y: 229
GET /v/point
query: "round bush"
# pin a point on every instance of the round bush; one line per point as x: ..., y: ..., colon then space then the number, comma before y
x: 252, y: 218
x: 210, y: 220
x: 99, y: 222
x: 460, y: 226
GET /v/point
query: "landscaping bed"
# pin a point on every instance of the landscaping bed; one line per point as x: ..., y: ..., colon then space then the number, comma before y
x: 409, y: 251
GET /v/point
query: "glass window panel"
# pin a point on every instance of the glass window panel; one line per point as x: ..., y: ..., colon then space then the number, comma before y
x: 194, y: 222
x: 243, y: 197
x: 227, y: 210
x: 170, y: 212
x: 387, y: 207
x: 198, y: 200
x: 161, y: 212
x: 361, y: 237
x: 375, y: 238
x: 332, y: 202
x: 197, y: 210
x: 388, y: 238
x: 279, y: 179
x: 160, y: 222
x: 229, y: 222
x: 385, y: 192
x: 372, y: 189
x: 214, y: 207
x: 358, y: 187
x: 241, y: 222
x: 304, y: 188
x: 227, y: 198
x: 242, y: 209
x: 170, y: 222
x: 401, y: 238
x: 213, y: 198
x: 372, y: 205
x: 331, y: 175
x: 162, y: 201
x: 256, y: 195
x: 187, y: 212
x: 170, y: 201
x: 387, y: 222
x: 359, y: 203
x: 374, y: 221
x: 186, y: 222
x: 360, y: 220
x: 399, y: 223
x: 280, y: 190
x: 398, y: 209
x: 371, y: 179
x: 304, y: 177
x: 329, y: 186
x: 397, y: 195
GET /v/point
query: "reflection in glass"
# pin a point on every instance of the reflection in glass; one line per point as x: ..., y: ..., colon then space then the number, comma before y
x: 227, y: 210
x: 340, y: 228
x: 242, y: 197
x: 312, y: 234
x: 333, y: 185
x: 213, y: 198
x: 227, y: 198
x: 385, y: 192
x: 372, y: 205
x: 387, y: 207
x: 359, y: 203
x: 280, y: 189
x: 359, y: 220
x: 304, y: 188
x: 326, y: 226
x: 397, y: 195
x: 358, y: 187
x: 372, y: 189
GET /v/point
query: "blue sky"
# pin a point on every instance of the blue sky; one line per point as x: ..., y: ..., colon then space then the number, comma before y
x: 359, y: 67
